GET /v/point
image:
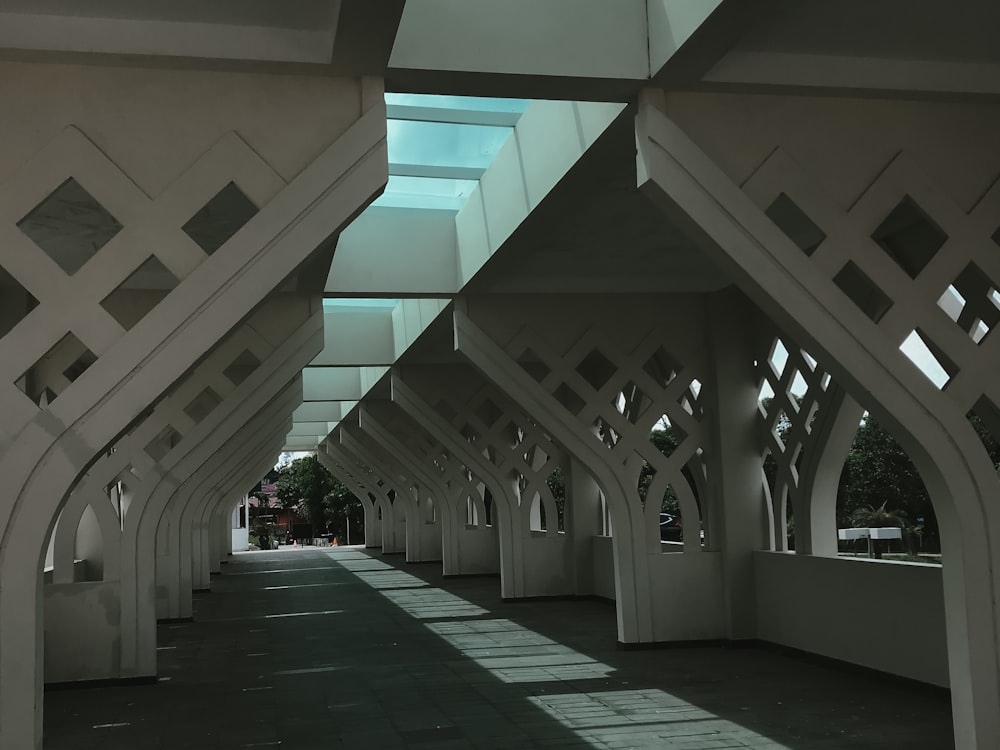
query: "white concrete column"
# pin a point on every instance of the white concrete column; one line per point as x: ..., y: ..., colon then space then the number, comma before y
x: 737, y: 511
x: 501, y: 483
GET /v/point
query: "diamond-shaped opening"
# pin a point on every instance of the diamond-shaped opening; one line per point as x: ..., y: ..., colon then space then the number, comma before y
x: 797, y: 388
x: 928, y: 358
x: 809, y: 360
x: 58, y: 367
x: 687, y: 403
x: 607, y: 434
x: 202, y: 405
x: 488, y: 412
x: 163, y: 443
x: 862, y: 291
x: 824, y: 382
x: 973, y: 302
x: 139, y: 293
x: 532, y: 364
x: 781, y: 427
x: 242, y: 367
x: 661, y: 367
x: 569, y: 399
x: 765, y: 395
x: 778, y: 357
x: 220, y: 218
x: 15, y: 302
x: 469, y: 433
x: 910, y: 237
x: 794, y: 222
x: 690, y: 399
x: 596, y: 369
x: 668, y: 438
x: 70, y: 226
x: 632, y: 402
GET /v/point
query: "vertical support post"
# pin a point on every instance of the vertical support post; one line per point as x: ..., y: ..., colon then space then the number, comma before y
x: 737, y: 518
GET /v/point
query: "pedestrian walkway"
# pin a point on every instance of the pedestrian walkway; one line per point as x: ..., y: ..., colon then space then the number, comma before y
x: 341, y: 648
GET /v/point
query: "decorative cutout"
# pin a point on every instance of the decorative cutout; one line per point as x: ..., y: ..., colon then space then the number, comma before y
x: 139, y: 293
x: 910, y: 237
x: 219, y: 219
x: 70, y: 226
x: 794, y: 222
x: 862, y: 291
x: 973, y: 302
x: 66, y: 361
x: 158, y: 448
x: 242, y: 367
x: 929, y: 359
x: 202, y: 405
x: 661, y: 367
x: 778, y: 357
x: 596, y: 369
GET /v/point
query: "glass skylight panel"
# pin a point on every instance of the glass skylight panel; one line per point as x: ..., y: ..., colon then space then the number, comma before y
x: 459, y: 109
x: 426, y: 192
x: 441, y: 149
x: 334, y: 302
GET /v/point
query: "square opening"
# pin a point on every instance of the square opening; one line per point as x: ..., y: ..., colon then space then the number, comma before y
x: 596, y: 369
x: 70, y: 226
x: 910, y: 237
x: 219, y: 219
x: 794, y: 222
x: 143, y: 290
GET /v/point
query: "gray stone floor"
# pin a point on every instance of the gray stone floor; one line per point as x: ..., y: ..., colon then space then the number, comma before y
x: 340, y: 648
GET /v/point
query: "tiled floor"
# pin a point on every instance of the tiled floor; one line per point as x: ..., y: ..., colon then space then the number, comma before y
x: 303, y: 649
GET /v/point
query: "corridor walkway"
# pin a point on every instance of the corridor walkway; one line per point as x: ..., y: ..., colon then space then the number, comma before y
x: 309, y: 649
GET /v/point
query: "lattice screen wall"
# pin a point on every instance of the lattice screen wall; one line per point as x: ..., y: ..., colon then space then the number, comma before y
x: 121, y: 480
x: 922, y: 268
x: 637, y: 367
x: 513, y: 443
x: 85, y: 255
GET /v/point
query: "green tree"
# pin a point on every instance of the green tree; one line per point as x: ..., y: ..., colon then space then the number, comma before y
x: 308, y: 488
x: 879, y: 483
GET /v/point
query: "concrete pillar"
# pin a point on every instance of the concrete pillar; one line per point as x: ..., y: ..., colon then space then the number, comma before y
x: 802, y: 297
x: 737, y: 510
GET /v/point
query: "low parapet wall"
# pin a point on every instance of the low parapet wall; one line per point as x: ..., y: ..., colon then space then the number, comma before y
x: 882, y: 615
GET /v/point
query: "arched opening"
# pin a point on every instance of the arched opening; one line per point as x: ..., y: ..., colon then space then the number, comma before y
x: 881, y: 489
x: 89, y: 547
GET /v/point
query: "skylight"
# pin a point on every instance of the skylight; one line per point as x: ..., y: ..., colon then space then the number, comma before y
x: 439, y: 146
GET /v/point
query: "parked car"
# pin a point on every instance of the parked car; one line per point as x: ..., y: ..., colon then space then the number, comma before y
x: 670, y: 528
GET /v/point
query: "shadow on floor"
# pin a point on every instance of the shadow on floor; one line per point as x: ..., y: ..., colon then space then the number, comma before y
x: 344, y: 648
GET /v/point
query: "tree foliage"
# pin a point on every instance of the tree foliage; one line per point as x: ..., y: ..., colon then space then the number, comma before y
x: 880, y: 486
x: 307, y: 487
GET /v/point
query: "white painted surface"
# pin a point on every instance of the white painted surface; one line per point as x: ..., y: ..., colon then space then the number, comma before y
x: 883, y: 615
x: 558, y: 37
x: 548, y: 566
x: 241, y: 541
x: 82, y: 631
x: 686, y: 595
x: 603, y: 567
